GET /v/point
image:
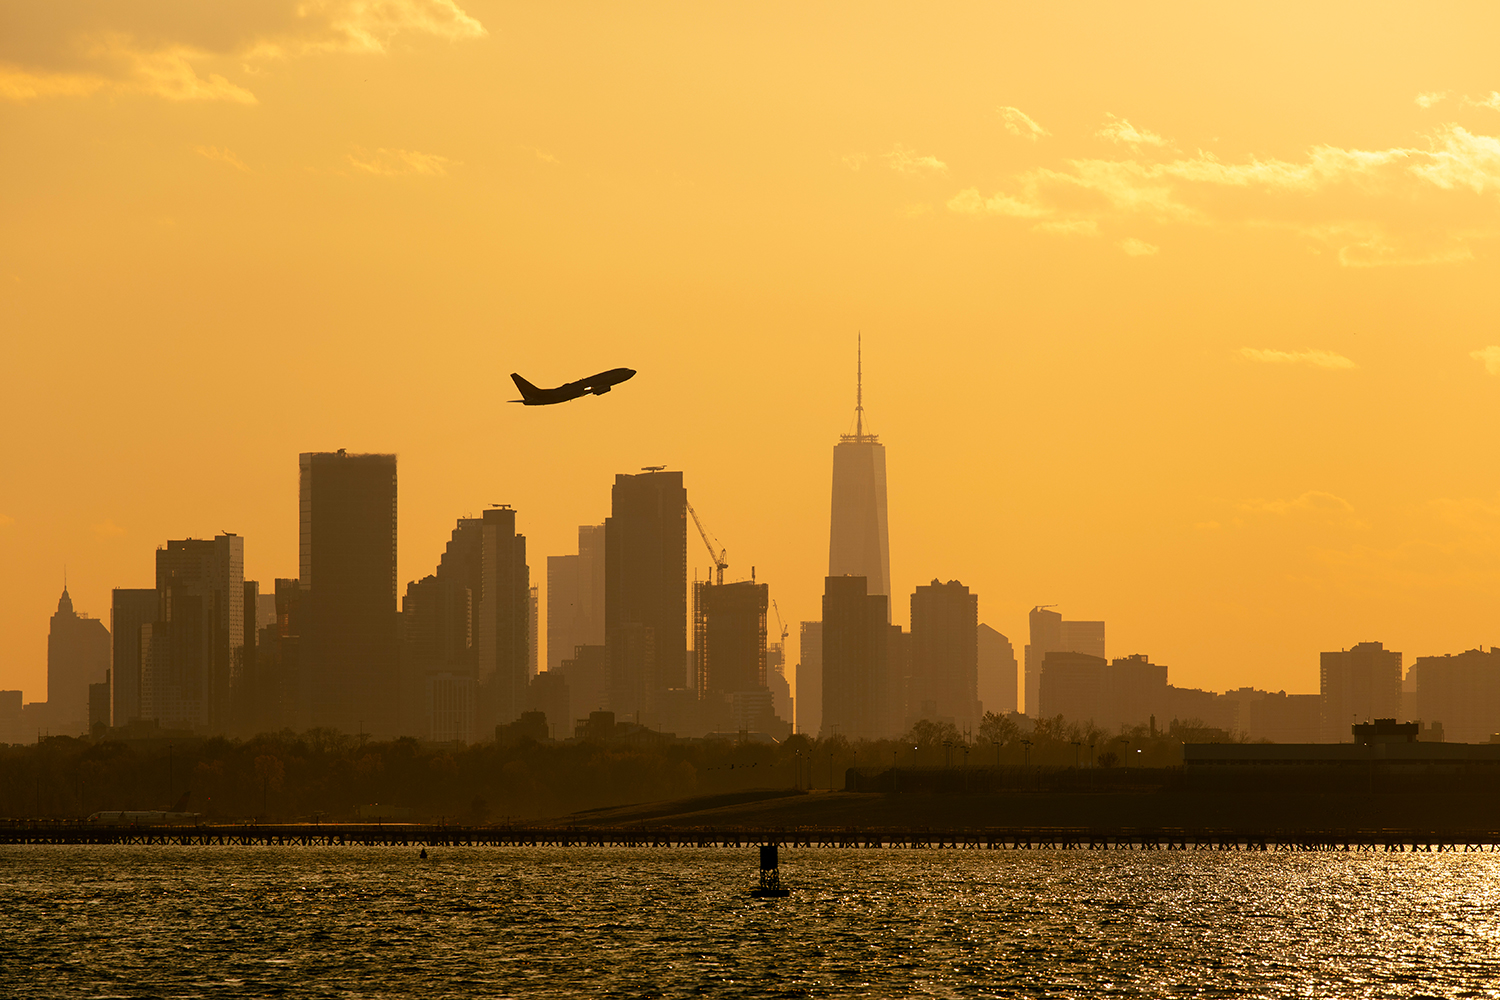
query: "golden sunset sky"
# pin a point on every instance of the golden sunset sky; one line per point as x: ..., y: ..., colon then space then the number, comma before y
x: 1180, y: 315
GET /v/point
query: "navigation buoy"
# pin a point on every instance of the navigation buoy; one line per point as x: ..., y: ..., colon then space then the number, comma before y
x: 423, y: 855
x: 770, y: 875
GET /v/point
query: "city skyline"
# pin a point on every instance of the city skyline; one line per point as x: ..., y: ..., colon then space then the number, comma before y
x: 1232, y: 405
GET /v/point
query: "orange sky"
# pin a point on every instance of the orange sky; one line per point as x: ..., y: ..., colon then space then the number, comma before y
x: 1181, y: 318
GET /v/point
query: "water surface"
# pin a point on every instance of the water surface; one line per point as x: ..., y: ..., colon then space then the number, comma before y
x: 377, y: 922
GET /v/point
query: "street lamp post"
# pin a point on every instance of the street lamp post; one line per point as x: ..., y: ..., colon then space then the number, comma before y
x: 1077, y: 744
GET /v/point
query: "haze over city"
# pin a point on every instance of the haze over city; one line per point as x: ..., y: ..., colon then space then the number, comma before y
x: 1153, y: 332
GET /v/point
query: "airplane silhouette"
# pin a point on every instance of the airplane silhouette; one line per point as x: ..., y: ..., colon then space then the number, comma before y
x: 596, y: 385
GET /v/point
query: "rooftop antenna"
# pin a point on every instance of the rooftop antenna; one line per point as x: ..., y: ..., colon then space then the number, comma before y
x: 859, y: 386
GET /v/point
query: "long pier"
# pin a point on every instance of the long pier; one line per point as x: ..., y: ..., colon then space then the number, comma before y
x: 1420, y: 841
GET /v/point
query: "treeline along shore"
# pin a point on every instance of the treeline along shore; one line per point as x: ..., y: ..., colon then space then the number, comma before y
x: 1056, y: 775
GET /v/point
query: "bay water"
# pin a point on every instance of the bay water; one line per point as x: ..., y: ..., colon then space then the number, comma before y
x: 678, y: 922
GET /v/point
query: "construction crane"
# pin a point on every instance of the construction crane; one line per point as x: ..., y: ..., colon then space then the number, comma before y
x: 715, y: 552
x: 784, y: 632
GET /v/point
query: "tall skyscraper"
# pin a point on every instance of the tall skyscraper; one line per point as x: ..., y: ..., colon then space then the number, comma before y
x: 1361, y: 684
x: 944, y: 683
x: 856, y: 661
x: 349, y: 643
x: 997, y: 672
x: 809, y: 679
x: 645, y: 590
x: 129, y: 611
x: 1050, y: 634
x: 198, y: 637
x: 858, y: 539
x: 575, y: 597
x: 77, y: 656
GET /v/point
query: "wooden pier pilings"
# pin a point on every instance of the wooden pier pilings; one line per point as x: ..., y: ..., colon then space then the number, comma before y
x: 419, y: 835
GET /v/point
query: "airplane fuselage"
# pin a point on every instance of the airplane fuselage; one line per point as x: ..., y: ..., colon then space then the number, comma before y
x: 595, y: 385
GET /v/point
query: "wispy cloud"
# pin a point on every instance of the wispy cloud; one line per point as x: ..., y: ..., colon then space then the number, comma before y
x: 1427, y: 100
x: 1402, y: 205
x: 1068, y: 227
x: 1138, y: 248
x: 1490, y: 356
x: 1122, y: 133
x: 1313, y: 501
x: 6, y: 521
x: 855, y: 161
x: 1017, y: 122
x: 151, y: 48
x: 1491, y: 101
x: 904, y: 160
x: 107, y: 529
x: 542, y: 155
x: 401, y: 163
x: 1314, y: 359
x: 221, y: 156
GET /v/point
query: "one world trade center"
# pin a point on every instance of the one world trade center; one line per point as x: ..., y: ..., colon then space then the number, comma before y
x: 858, y: 542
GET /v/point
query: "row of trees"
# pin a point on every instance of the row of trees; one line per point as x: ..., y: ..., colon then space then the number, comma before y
x: 326, y: 774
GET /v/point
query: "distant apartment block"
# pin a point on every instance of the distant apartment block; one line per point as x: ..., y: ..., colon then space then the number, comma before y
x: 1359, y: 684
x: 645, y: 591
x: 944, y: 671
x: 130, y: 611
x: 196, y: 643
x: 997, y: 672
x: 857, y: 683
x: 1051, y: 634
x: 575, y: 597
x: 347, y: 558
x: 1462, y: 691
x: 809, y: 678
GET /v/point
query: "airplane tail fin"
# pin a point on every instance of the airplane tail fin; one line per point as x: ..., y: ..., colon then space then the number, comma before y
x: 182, y: 803
x: 529, y: 392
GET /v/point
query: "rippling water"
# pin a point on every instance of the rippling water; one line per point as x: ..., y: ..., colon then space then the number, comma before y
x: 337, y: 922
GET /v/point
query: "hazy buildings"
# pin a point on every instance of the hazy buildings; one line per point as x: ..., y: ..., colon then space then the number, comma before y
x: 551, y: 695
x: 856, y: 661
x: 645, y: 590
x: 77, y: 656
x: 1051, y: 634
x: 12, y: 726
x: 575, y: 597
x: 783, y: 705
x: 130, y: 611
x: 1462, y: 692
x: 466, y: 632
x: 196, y: 643
x: 588, y: 677
x: 944, y: 679
x: 1281, y: 717
x: 349, y: 644
x: 502, y: 629
x: 810, y: 678
x: 858, y: 540
x: 1358, y: 685
x: 997, y: 672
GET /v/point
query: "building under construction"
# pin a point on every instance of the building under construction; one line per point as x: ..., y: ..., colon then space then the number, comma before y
x: 729, y: 634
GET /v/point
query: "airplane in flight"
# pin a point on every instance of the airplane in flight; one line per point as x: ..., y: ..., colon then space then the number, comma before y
x: 596, y: 385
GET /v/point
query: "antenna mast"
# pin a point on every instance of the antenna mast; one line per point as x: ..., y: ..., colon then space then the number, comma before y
x: 859, y: 387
